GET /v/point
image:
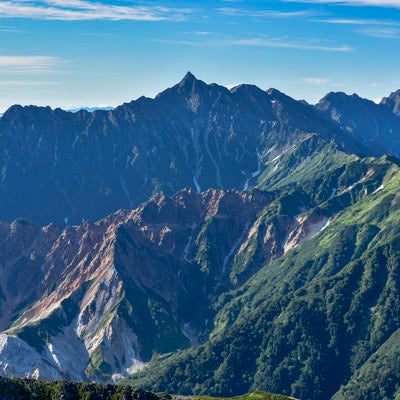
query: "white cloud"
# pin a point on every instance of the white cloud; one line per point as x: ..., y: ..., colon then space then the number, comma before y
x: 385, y: 33
x: 258, y: 42
x: 316, y: 81
x: 386, y: 29
x: 13, y: 83
x: 10, y: 29
x: 28, y: 64
x: 375, y: 3
x: 240, y: 12
x: 204, y: 33
x: 369, y: 22
x: 279, y: 43
x: 75, y: 10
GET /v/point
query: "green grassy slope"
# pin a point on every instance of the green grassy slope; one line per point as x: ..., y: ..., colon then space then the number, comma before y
x: 314, y: 320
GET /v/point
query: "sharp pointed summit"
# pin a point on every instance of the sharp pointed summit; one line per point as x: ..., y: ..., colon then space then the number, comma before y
x: 189, y: 78
x: 190, y: 83
x: 192, y: 134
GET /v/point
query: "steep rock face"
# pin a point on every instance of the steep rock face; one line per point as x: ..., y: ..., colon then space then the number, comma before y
x: 99, y: 300
x: 96, y: 301
x: 20, y: 359
x: 375, y: 126
x: 393, y: 102
x: 67, y: 167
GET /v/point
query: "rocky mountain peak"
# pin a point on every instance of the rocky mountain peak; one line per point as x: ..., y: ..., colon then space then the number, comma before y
x: 392, y: 102
x: 188, y: 80
x: 190, y: 91
x: 371, y: 125
x: 275, y: 94
x: 190, y: 85
x: 246, y: 89
x: 84, y: 165
x: 332, y: 98
x: 342, y: 101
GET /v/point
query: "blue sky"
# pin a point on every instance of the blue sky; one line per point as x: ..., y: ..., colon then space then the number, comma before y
x: 71, y: 53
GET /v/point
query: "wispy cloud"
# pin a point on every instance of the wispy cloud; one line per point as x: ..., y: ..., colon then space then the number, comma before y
x: 368, y: 22
x: 76, y: 10
x: 241, y: 12
x: 258, y: 42
x: 385, y: 33
x: 10, y: 29
x: 374, y: 3
x: 279, y: 43
x: 28, y: 64
x: 316, y: 81
x: 204, y: 33
x: 22, y: 83
x: 386, y: 29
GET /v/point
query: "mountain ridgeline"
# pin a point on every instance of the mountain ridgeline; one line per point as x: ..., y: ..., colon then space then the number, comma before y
x: 66, y: 168
x: 207, y: 241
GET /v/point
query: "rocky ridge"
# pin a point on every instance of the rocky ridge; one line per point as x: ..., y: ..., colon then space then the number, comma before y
x: 106, y: 296
x: 66, y: 168
x: 135, y: 283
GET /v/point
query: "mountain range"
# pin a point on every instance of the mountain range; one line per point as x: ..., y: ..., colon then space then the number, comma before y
x: 207, y: 241
x: 67, y: 168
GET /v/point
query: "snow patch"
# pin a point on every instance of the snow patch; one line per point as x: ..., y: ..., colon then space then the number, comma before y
x: 258, y: 172
x: 280, y: 154
x: 196, y: 184
x: 351, y: 187
x: 75, y: 141
x: 326, y: 224
x: 379, y: 188
x: 210, y: 155
x: 199, y: 159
